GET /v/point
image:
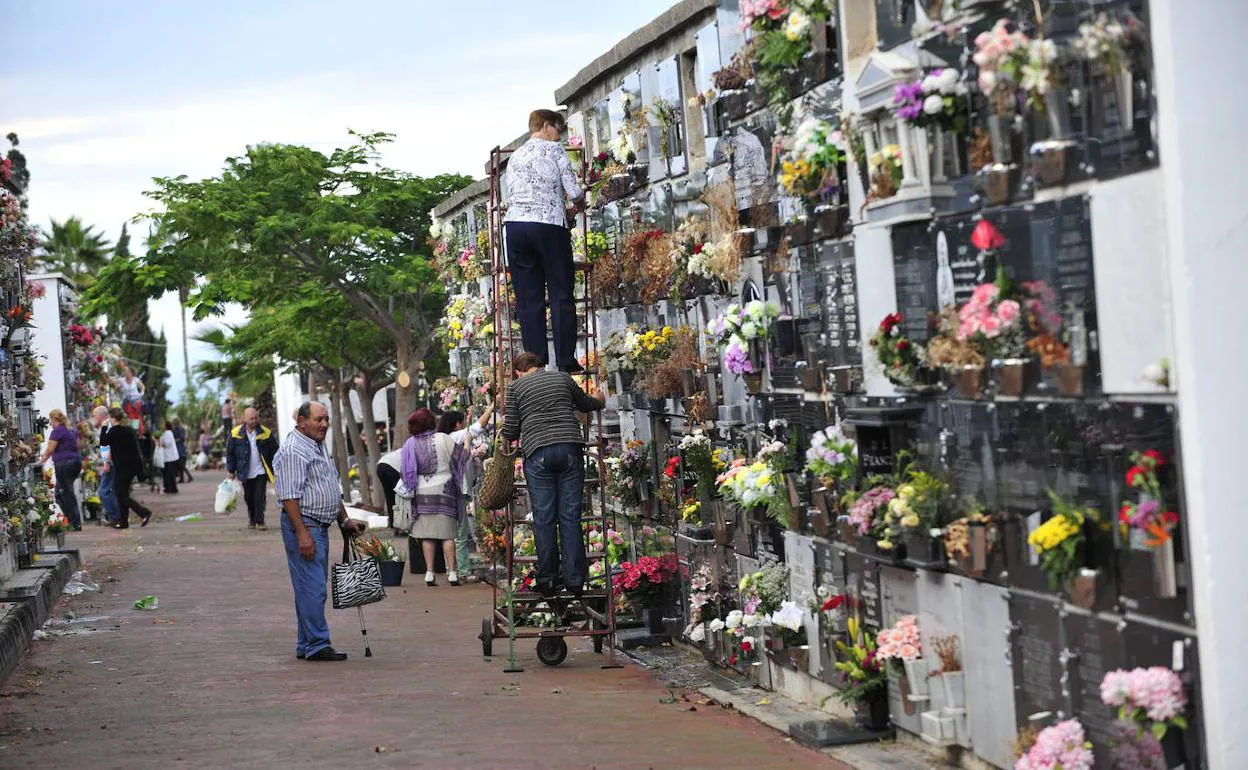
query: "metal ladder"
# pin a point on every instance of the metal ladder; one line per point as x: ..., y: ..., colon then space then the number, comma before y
x: 592, y: 615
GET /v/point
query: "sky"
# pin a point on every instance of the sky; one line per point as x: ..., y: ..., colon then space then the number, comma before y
x: 107, y: 94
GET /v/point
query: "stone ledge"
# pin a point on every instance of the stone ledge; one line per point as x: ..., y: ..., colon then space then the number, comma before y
x: 479, y: 187
x: 29, y: 597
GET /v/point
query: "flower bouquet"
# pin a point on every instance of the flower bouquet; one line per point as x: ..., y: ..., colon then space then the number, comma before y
x: 969, y: 540
x: 866, y: 680
x: 863, y: 520
x: 832, y: 458
x: 1146, y: 523
x: 783, y: 31
x: 1062, y: 746
x: 901, y: 649
x: 739, y: 333
x: 939, y: 99
x: 57, y: 525
x: 627, y: 473
x: 811, y: 170
x: 787, y: 635
x: 761, y: 483
x: 886, y: 172
x: 1061, y: 542
x: 1151, y: 698
x: 698, y: 456
x: 918, y: 511
x: 903, y: 362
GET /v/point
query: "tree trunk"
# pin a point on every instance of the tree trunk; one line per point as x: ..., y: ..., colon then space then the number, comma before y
x: 404, y: 396
x: 313, y: 392
x: 357, y: 447
x: 186, y: 351
x: 266, y: 405
x: 366, y: 393
x: 335, y: 416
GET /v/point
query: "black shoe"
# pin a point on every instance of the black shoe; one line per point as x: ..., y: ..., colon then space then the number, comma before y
x: 77, y: 527
x: 328, y: 653
x: 546, y: 589
x: 121, y: 526
x: 299, y: 656
x: 577, y: 591
x: 146, y: 520
x: 572, y: 368
x: 431, y: 582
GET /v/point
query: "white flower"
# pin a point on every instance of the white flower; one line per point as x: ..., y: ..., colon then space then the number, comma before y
x: 750, y: 621
x: 797, y: 25
x: 717, y: 625
x: 698, y: 634
x: 789, y: 616
x: 1035, y: 79
x: 749, y: 330
x: 735, y: 619
x: 934, y: 104
x: 435, y: 227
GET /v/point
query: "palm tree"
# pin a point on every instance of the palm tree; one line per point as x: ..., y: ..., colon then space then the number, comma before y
x: 77, y: 251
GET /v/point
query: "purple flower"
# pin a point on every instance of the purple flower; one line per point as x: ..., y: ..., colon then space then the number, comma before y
x: 908, y: 98
x: 736, y: 360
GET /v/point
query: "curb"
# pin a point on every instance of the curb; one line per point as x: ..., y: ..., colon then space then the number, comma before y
x: 29, y: 597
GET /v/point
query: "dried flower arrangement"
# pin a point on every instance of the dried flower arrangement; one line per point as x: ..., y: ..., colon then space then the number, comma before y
x: 946, y: 350
x: 664, y: 379
x: 721, y: 200
x: 657, y: 267
x: 947, y: 652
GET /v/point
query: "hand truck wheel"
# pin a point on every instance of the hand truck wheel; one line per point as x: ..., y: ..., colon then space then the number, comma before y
x: 487, y: 638
x: 551, y: 650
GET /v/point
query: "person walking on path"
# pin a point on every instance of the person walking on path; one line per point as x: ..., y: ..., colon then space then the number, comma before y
x: 108, y: 498
x: 389, y: 471
x: 63, y: 449
x: 311, y: 495
x: 453, y: 423
x: 249, y: 458
x: 539, y: 245
x: 123, y: 444
x: 167, y: 451
x: 205, y: 449
x: 179, y: 436
x: 433, y: 471
x: 132, y: 390
x: 542, y: 411
x: 227, y: 417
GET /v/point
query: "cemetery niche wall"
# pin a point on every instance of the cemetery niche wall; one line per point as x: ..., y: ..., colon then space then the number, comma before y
x: 851, y: 321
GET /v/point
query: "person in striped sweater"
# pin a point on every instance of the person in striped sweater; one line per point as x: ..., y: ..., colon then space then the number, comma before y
x: 542, y: 409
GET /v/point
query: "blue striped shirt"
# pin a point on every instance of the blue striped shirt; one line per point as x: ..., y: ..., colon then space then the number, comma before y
x: 305, y: 473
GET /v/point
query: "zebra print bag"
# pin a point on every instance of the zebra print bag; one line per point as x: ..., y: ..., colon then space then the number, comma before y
x: 356, y: 582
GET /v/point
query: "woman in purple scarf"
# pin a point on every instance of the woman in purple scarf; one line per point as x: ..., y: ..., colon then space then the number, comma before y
x: 433, y: 470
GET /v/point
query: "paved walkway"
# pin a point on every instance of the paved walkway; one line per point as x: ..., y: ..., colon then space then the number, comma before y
x: 210, y: 678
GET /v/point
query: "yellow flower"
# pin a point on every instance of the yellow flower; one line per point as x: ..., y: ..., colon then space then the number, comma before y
x: 876, y: 159
x: 905, y: 490
x: 910, y: 521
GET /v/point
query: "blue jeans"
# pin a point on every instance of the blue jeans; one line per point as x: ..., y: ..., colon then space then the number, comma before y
x: 108, y: 498
x: 309, y: 579
x: 556, y: 478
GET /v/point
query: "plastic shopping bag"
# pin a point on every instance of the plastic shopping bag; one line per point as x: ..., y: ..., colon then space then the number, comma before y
x: 227, y: 496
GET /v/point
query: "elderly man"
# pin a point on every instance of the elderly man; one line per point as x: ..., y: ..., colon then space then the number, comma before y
x: 108, y: 498
x: 249, y: 455
x: 311, y: 496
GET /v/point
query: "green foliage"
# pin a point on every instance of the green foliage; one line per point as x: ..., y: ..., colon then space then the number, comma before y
x: 75, y: 250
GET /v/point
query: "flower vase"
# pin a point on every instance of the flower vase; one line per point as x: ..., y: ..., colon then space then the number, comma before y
x: 999, y: 135
x: 1082, y: 588
x: 923, y: 550
x: 1173, y: 750
x: 955, y: 689
x: 871, y: 712
x: 916, y: 674
x: 1057, y: 107
x: 1165, y: 572
x: 1124, y: 88
x: 998, y: 184
x: 753, y: 382
x: 653, y: 620
x: 969, y: 380
x: 1011, y: 379
x: 846, y: 530
x: 1051, y: 161
x: 976, y: 562
x: 843, y: 380
x: 811, y: 377
x: 1070, y: 380
x: 60, y: 539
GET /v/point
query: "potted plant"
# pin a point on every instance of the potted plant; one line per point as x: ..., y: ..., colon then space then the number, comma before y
x: 389, y: 562
x: 1152, y: 700
x: 740, y: 333
x: 760, y: 484
x: 959, y: 357
x: 969, y: 540
x: 865, y: 679
x: 1061, y: 542
x: 917, y: 510
x: 951, y: 674
x: 627, y: 474
x: 865, y: 517
x: 901, y: 648
x: 1146, y: 523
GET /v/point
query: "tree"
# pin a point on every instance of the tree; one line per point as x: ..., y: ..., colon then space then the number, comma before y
x: 144, y: 352
x: 75, y: 250
x: 341, y: 220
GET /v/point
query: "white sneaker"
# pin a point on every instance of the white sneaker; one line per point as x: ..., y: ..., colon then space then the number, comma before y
x: 452, y: 578
x: 430, y: 580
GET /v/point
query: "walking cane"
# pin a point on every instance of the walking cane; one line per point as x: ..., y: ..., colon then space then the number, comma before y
x: 348, y: 550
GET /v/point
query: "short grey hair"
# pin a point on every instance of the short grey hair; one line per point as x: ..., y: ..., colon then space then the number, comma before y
x: 305, y: 409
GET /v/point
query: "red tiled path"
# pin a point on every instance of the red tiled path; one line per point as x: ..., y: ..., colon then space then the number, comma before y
x: 210, y: 679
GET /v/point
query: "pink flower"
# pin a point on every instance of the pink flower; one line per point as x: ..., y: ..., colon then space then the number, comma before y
x: 1008, y: 312
x: 991, y: 326
x: 984, y: 294
x: 909, y: 652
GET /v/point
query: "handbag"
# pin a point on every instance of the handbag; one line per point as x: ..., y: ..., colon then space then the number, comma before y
x: 500, y: 478
x: 355, y: 582
x: 158, y: 457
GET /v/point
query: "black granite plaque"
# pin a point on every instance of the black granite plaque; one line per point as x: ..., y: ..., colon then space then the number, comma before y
x: 1036, y: 658
x: 841, y: 303
x: 1094, y: 648
x: 914, y: 278
x: 1151, y: 646
x: 965, y: 449
x: 863, y: 582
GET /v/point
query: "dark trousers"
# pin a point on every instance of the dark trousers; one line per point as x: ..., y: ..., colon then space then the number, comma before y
x: 540, y: 258
x: 183, y: 474
x: 389, y: 479
x: 256, y: 498
x: 556, y: 479
x: 126, y: 503
x: 66, y: 474
x: 169, y: 472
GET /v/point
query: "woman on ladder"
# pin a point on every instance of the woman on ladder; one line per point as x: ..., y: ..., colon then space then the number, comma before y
x: 433, y: 469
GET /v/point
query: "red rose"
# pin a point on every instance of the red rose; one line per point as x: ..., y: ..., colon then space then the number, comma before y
x: 732, y: 659
x: 902, y: 344
x: 1170, y: 518
x: 986, y: 236
x: 697, y: 249
x: 1156, y: 457
x: 833, y: 602
x: 1134, y: 475
x: 1124, y: 513
x: 747, y: 645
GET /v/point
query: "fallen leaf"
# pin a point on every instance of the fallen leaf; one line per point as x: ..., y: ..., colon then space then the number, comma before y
x: 764, y: 702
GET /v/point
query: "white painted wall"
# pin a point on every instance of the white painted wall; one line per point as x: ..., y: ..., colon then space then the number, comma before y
x: 1197, y: 49
x: 46, y: 340
x: 877, y: 297
x: 1132, y: 279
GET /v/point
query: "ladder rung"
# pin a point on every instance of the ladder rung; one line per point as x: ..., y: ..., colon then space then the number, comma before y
x: 592, y: 556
